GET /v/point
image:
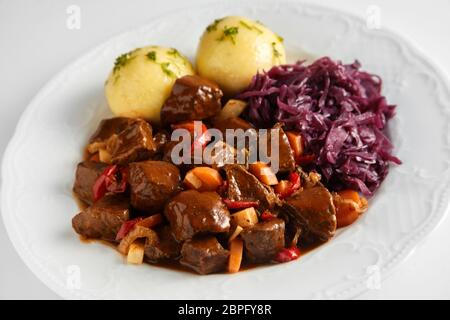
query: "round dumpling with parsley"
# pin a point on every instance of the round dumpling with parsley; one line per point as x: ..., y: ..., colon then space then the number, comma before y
x: 233, y: 49
x: 142, y: 79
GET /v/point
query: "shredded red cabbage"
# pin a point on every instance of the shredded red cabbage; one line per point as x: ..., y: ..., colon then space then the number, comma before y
x: 340, y: 113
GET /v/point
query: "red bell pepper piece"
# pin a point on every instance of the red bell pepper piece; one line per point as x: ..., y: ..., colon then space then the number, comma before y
x: 126, y: 227
x: 109, y: 181
x: 288, y: 254
x: 114, y: 186
x: 294, y: 178
x: 99, y: 187
x: 267, y: 215
x: 294, y: 185
x: 240, y: 204
x: 305, y: 160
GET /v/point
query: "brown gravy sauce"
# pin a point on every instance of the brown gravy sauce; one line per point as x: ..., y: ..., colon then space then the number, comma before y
x: 175, y: 265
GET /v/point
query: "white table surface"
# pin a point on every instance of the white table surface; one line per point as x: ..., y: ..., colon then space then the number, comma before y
x: 35, y: 44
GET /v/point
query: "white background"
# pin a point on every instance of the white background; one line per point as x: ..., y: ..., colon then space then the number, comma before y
x: 35, y: 44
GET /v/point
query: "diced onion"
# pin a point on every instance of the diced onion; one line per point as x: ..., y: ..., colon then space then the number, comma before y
x: 236, y: 232
x: 245, y: 218
x: 104, y: 156
x: 232, y: 109
x: 136, y: 253
x: 95, y: 146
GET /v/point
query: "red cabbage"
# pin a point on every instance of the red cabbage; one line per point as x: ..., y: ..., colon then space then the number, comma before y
x: 340, y: 113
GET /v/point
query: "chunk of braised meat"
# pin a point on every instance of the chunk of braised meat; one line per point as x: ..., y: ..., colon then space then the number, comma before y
x: 160, y: 140
x: 204, y: 255
x: 103, y: 219
x: 310, y: 214
x: 192, y: 98
x: 286, y: 161
x: 264, y: 240
x: 85, y: 177
x: 191, y: 212
x: 152, y: 183
x: 134, y: 143
x: 166, y: 248
x: 167, y: 151
x: 244, y: 186
x: 107, y: 128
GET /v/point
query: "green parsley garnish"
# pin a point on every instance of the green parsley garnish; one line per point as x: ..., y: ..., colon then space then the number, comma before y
x: 122, y: 60
x: 280, y: 38
x: 245, y: 25
x: 249, y: 27
x: 152, y: 55
x: 166, y: 70
x: 213, y: 26
x: 229, y: 32
x: 174, y: 52
x: 276, y: 53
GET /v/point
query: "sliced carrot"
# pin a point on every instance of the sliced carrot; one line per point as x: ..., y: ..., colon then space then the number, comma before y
x: 363, y: 204
x: 350, y: 195
x: 203, y: 179
x: 236, y: 250
x: 349, y: 205
x: 346, y: 214
x: 296, y: 142
x: 210, y: 177
x: 264, y: 173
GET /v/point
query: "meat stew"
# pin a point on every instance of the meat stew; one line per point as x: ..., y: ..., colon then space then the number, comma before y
x: 208, y: 219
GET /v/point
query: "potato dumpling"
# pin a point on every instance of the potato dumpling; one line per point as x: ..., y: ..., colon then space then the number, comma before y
x: 233, y: 49
x: 142, y: 79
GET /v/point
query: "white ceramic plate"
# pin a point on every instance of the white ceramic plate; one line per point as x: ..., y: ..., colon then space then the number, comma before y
x: 39, y: 164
